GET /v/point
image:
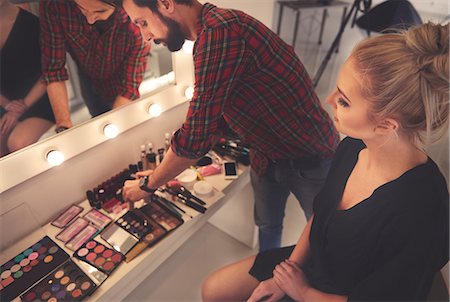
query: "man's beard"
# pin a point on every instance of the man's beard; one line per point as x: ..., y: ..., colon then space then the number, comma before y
x: 175, y: 36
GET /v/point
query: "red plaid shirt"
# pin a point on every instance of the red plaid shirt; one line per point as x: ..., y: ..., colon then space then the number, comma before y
x: 115, y: 60
x: 248, y: 80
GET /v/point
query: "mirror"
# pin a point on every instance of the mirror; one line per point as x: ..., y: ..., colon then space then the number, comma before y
x: 166, y: 90
x: 158, y: 74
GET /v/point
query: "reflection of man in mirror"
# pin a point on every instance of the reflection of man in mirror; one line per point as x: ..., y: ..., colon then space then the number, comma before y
x: 108, y: 50
x: 25, y: 112
x: 250, y: 81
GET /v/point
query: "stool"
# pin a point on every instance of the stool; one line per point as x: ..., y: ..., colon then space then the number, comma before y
x: 298, y: 5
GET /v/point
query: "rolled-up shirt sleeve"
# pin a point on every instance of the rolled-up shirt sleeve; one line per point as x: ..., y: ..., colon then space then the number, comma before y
x: 217, y: 61
x: 52, y: 44
x: 134, y: 68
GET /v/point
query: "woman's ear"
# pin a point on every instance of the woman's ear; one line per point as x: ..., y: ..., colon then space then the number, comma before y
x: 387, y: 126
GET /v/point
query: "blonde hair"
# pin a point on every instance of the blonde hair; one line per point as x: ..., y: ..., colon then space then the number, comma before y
x: 406, y: 77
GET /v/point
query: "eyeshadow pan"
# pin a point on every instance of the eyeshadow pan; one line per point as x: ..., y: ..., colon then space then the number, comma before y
x: 19, y: 258
x: 34, y: 262
x: 24, y: 262
x: 53, y: 249
x: 91, y: 257
x: 33, y: 256
x: 99, y: 261
x: 48, y: 259
x: 82, y: 252
x: 65, y: 280
x: 71, y: 287
x: 59, y: 274
x: 107, y: 253
x: 46, y: 295
x: 18, y: 274
x: 7, y: 281
x: 99, y: 248
x: 27, y: 268
x: 76, y: 293
x: 85, y: 286
x: 6, y: 274
x: 30, y: 296
x: 15, y: 268
x: 99, y: 256
x: 91, y: 244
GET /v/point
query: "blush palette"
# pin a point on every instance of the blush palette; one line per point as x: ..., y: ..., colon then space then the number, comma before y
x: 29, y: 266
x: 99, y: 256
x: 67, y: 283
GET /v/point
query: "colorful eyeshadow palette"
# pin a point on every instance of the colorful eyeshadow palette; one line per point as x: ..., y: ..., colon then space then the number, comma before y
x: 97, y: 218
x: 72, y: 230
x: 99, y: 256
x: 67, y: 283
x: 84, y: 235
x: 29, y: 266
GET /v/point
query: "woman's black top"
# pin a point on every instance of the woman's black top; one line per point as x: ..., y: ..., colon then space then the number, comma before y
x: 20, y: 65
x: 388, y: 247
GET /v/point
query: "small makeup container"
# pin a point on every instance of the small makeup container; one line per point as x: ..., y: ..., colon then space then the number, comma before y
x: 97, y: 218
x: 67, y: 283
x: 187, y: 178
x: 99, y: 256
x: 203, y: 188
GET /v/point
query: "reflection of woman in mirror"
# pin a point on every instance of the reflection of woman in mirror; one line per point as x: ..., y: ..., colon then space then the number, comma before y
x: 25, y: 108
x: 107, y: 47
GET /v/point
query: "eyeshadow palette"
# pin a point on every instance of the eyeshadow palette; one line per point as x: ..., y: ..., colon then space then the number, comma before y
x: 67, y: 283
x: 84, y: 235
x: 135, y: 224
x: 99, y: 256
x: 72, y: 230
x: 67, y: 216
x: 97, y: 218
x: 161, y: 215
x: 29, y: 266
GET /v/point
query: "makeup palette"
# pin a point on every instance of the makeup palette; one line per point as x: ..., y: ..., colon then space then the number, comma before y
x: 29, y: 266
x: 67, y: 216
x: 67, y: 283
x: 161, y: 215
x: 99, y: 256
x: 135, y: 223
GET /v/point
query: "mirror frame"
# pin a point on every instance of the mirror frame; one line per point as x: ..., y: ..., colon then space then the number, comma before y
x: 30, y: 161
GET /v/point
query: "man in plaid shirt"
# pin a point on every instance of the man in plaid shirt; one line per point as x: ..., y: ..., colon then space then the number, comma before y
x: 247, y: 80
x: 109, y: 51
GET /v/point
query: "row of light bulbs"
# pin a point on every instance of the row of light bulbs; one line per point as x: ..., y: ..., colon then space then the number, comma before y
x: 56, y: 157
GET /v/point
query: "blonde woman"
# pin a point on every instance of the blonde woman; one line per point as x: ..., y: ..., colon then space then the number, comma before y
x: 380, y: 226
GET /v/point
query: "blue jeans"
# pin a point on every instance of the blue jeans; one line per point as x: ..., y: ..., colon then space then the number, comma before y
x: 272, y: 190
x: 92, y: 99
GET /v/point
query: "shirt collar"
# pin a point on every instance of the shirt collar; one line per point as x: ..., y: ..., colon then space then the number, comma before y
x: 201, y: 18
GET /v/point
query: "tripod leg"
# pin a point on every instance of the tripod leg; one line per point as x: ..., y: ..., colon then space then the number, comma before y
x: 322, y: 25
x: 297, y: 18
x: 342, y: 21
x: 280, y: 17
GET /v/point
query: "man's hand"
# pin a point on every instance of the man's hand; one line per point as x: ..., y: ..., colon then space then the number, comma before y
x: 17, y: 106
x: 8, y: 121
x: 132, y: 192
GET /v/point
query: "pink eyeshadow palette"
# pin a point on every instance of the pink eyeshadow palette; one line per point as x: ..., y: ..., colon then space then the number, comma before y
x: 72, y: 230
x: 67, y: 216
x: 29, y: 266
x: 99, y: 256
x: 97, y: 218
x: 84, y: 235
x: 66, y: 283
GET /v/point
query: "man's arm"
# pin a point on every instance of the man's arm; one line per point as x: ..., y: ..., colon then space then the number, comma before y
x: 57, y: 93
x: 171, y: 166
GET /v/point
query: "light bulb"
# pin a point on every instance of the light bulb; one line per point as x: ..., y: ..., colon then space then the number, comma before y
x: 154, y: 110
x: 188, y: 47
x: 55, y: 157
x: 189, y: 92
x: 110, y: 131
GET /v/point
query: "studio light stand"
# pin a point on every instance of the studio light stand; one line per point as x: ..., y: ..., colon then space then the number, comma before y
x: 358, y: 5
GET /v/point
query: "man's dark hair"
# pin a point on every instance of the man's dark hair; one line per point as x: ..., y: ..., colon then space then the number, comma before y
x: 153, y: 4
